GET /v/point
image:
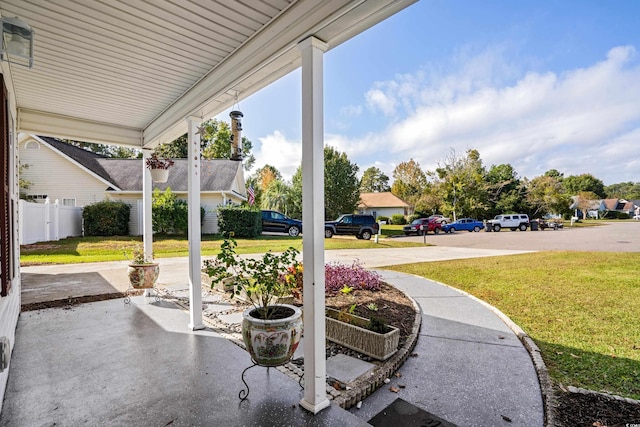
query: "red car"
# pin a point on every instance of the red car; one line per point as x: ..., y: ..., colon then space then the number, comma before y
x: 418, y: 226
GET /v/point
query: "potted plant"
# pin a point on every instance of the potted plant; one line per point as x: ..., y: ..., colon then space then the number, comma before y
x: 142, y: 271
x: 271, y: 331
x: 159, y: 167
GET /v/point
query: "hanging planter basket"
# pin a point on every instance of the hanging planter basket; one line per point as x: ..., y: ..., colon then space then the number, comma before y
x: 159, y: 175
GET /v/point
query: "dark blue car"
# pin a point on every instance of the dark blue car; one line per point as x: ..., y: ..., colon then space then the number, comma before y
x: 468, y: 224
x: 280, y: 223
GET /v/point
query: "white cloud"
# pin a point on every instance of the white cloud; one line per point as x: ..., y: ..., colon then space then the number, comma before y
x: 277, y: 151
x: 385, y: 101
x: 582, y: 120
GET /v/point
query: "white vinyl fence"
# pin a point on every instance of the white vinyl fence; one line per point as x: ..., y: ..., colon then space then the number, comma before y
x: 41, y: 222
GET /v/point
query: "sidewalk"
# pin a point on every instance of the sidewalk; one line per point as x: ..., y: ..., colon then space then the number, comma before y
x: 107, y: 363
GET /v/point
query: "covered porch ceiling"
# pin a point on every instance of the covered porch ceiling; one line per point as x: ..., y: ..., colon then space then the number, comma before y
x: 128, y: 72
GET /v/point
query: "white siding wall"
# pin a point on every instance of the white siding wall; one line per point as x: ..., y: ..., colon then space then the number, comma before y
x: 58, y: 178
x: 384, y: 211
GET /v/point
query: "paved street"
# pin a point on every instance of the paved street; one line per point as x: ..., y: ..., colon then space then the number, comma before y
x: 608, y: 237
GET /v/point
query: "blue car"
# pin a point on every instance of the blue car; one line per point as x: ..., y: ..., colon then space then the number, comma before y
x: 468, y: 224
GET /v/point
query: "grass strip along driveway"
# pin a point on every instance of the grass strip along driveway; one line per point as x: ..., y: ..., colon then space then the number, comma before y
x: 98, y: 249
x: 581, y: 308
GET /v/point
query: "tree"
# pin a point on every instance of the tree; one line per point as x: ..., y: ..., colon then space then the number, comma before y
x: 23, y: 184
x: 296, y: 194
x: 586, y: 182
x: 505, y: 190
x: 409, y: 181
x: 461, y: 185
x: 276, y: 196
x: 215, y: 143
x: 586, y: 201
x: 112, y: 151
x: 266, y: 174
x: 545, y: 195
x: 260, y: 180
x: 341, y: 186
x: 374, y: 181
x: 623, y: 190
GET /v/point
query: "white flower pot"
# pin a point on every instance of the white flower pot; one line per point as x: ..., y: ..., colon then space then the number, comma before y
x: 159, y: 175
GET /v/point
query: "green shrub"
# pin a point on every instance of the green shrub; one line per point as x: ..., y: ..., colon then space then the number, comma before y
x: 414, y: 217
x: 383, y: 218
x: 170, y: 215
x: 106, y: 218
x: 398, y: 219
x: 240, y: 220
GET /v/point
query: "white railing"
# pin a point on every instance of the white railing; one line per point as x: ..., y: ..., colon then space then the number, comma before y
x: 42, y: 222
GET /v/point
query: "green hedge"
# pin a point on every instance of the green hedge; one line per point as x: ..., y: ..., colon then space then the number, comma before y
x: 398, y: 219
x: 170, y: 215
x: 106, y: 218
x: 241, y: 221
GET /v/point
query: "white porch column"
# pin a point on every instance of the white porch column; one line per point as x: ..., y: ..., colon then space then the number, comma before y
x: 315, y: 396
x: 195, y: 281
x: 147, y: 225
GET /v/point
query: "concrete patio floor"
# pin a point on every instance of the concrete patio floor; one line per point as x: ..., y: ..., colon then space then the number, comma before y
x: 108, y: 363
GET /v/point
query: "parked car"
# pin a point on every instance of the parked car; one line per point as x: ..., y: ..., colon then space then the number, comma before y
x: 553, y: 224
x: 440, y: 218
x: 361, y: 226
x: 280, y: 223
x: 466, y: 224
x: 420, y: 225
x: 511, y: 221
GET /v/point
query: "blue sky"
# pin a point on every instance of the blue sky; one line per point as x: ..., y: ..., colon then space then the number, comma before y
x: 537, y: 84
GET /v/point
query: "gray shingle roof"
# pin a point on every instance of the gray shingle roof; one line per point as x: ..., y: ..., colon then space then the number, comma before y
x: 126, y: 174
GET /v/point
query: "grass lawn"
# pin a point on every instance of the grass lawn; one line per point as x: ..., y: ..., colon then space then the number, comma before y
x: 99, y: 249
x: 581, y: 308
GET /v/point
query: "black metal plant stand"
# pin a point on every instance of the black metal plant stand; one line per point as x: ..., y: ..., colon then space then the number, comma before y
x: 244, y: 393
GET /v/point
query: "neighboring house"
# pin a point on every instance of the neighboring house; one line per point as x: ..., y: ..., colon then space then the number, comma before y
x: 619, y: 205
x: 382, y: 204
x: 600, y: 208
x: 77, y: 177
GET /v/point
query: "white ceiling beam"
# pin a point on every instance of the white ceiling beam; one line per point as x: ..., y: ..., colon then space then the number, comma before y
x: 42, y: 123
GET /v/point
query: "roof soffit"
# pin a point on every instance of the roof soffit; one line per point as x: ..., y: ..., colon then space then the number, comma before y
x: 140, y: 68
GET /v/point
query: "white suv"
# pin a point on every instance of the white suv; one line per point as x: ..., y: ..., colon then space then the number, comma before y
x: 512, y: 221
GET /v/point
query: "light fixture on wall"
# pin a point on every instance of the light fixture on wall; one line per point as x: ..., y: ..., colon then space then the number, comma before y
x: 17, y: 42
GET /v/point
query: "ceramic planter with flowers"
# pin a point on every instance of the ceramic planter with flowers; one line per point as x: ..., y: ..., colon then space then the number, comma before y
x: 159, y: 167
x: 142, y: 271
x: 271, y: 331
